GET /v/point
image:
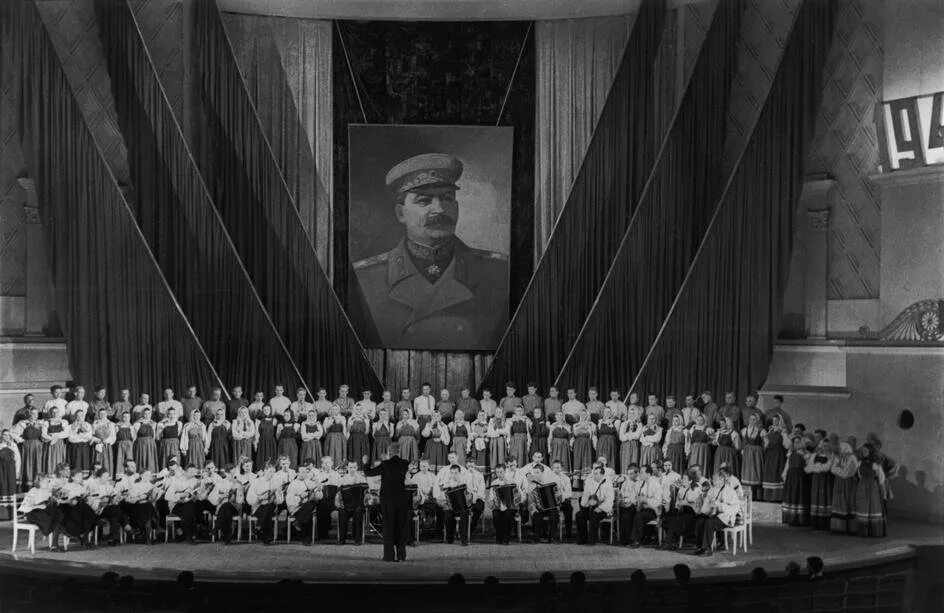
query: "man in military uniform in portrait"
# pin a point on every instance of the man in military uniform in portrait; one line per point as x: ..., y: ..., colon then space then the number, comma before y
x: 432, y: 291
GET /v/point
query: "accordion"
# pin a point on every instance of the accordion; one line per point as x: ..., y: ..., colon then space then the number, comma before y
x: 352, y: 496
x: 330, y: 491
x: 546, y: 496
x: 506, y: 494
x: 457, y: 498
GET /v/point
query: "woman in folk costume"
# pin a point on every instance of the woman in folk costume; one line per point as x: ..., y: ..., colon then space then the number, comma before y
x: 459, y: 436
x: 583, y: 446
x: 243, y: 433
x: 845, y: 480
x: 168, y: 438
x: 193, y: 439
x: 437, y: 445
x: 124, y: 441
x: 145, y: 444
x: 651, y: 441
x: 752, y: 455
x: 677, y: 444
x: 80, y: 437
x: 727, y: 442
x: 311, y: 433
x: 358, y: 442
x: 519, y: 439
x: 55, y: 434
x: 104, y: 436
x: 265, y: 443
x: 9, y: 473
x: 335, y: 438
x: 540, y: 433
x: 29, y: 433
x: 478, y: 443
x: 381, y: 430
x: 607, y: 443
x: 559, y: 442
x: 775, y: 458
x: 819, y: 466
x: 870, y: 494
x: 287, y: 435
x: 498, y: 441
x: 630, y: 431
x: 218, y: 435
x: 407, y: 433
x: 700, y: 450
x: 796, y: 485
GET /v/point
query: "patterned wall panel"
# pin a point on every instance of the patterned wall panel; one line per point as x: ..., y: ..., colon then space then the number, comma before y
x: 846, y: 148
x: 161, y: 23
x: 74, y: 33
x: 12, y: 217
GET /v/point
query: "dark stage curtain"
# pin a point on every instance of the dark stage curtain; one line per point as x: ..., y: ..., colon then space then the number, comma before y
x: 592, y: 222
x: 122, y: 326
x: 437, y: 74
x: 176, y: 215
x: 719, y: 333
x: 259, y: 212
x: 669, y: 223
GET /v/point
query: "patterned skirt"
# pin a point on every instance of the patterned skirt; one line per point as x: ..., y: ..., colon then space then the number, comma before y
x: 796, y: 498
x: 629, y: 454
x: 80, y: 458
x: 649, y: 454
x: 606, y: 446
x: 288, y: 447
x: 124, y: 450
x: 560, y: 452
x: 727, y: 455
x: 869, y: 509
x: 699, y: 454
x: 311, y: 450
x: 437, y: 454
x: 842, y: 518
x: 8, y: 478
x: 54, y: 454
x: 752, y: 470
x: 31, y: 462
x: 675, y: 453
x: 774, y: 460
x: 145, y: 454
x: 457, y: 446
x: 518, y: 448
x: 583, y: 455
x: 334, y: 446
x: 821, y: 500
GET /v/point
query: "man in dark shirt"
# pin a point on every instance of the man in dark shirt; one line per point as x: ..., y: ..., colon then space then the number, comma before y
x: 395, y: 503
x: 236, y: 402
x: 23, y: 413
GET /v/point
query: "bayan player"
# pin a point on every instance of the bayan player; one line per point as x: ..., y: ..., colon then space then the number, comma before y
x: 456, y: 501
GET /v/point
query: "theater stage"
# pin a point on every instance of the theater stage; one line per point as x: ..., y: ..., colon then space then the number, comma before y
x: 774, y: 547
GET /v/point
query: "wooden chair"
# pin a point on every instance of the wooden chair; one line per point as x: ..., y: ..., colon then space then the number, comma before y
x: 657, y: 523
x: 170, y: 522
x: 614, y: 527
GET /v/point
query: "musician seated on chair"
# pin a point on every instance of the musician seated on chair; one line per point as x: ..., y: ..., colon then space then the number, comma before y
x: 351, y: 507
x: 329, y: 479
x: 263, y: 498
x: 537, y: 459
x: 566, y: 491
x: 506, y: 496
x: 630, y: 483
x: 689, y: 499
x: 180, y: 501
x: 104, y: 499
x: 284, y: 475
x: 209, y: 480
x: 720, y: 509
x: 227, y: 499
x: 475, y: 481
x: 649, y: 504
x: 543, y: 511
x: 455, y: 498
x: 38, y: 505
x: 444, y: 473
x: 425, y: 481
x: 301, y: 499
x: 596, y: 504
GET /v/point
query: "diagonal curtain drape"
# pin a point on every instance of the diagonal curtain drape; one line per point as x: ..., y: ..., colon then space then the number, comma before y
x: 256, y: 205
x: 668, y: 224
x: 178, y: 219
x: 122, y: 326
x: 592, y: 222
x: 720, y: 330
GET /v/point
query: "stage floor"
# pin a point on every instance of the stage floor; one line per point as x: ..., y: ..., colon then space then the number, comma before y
x: 774, y: 547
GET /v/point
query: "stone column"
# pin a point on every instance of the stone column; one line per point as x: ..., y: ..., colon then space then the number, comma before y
x: 38, y: 284
x: 816, y: 201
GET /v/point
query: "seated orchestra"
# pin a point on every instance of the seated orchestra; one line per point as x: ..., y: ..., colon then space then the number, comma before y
x: 533, y: 465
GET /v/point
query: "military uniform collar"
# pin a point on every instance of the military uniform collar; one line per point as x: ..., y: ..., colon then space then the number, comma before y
x: 399, y: 265
x: 423, y: 252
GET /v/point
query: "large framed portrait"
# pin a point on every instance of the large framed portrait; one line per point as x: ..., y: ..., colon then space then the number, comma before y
x: 430, y: 216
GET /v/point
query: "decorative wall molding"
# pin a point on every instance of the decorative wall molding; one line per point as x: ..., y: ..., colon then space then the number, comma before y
x: 922, y: 321
x: 819, y: 219
x: 912, y: 176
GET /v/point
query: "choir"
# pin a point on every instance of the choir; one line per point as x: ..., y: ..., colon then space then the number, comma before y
x: 685, y: 470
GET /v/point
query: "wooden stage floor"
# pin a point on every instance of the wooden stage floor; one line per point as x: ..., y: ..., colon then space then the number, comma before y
x: 774, y: 547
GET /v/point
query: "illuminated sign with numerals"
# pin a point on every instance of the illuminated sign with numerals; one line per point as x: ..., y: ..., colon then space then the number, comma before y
x: 913, y: 131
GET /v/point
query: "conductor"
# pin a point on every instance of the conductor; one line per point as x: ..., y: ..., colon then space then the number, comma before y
x: 395, y: 504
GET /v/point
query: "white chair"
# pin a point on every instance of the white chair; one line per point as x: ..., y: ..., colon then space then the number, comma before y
x: 740, y: 527
x: 19, y: 524
x: 657, y: 522
x: 170, y: 523
x: 614, y: 527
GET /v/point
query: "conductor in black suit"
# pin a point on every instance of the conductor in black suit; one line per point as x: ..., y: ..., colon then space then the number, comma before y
x: 395, y: 503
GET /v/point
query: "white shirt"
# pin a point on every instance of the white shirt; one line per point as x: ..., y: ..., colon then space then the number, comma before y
x: 423, y: 405
x: 279, y: 404
x: 475, y: 481
x: 603, y: 490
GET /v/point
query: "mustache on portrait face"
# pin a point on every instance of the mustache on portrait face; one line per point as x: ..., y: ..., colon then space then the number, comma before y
x: 439, y: 219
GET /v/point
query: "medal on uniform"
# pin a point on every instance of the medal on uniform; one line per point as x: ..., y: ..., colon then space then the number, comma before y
x: 433, y: 270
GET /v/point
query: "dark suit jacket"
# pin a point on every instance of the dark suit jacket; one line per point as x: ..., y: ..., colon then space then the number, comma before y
x: 392, y: 481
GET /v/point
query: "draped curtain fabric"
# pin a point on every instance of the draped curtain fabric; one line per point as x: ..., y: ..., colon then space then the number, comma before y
x: 122, y: 326
x: 286, y: 64
x: 576, y: 60
x: 257, y: 207
x: 439, y: 74
x: 720, y: 330
x: 669, y: 222
x: 177, y: 218
x: 601, y: 203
